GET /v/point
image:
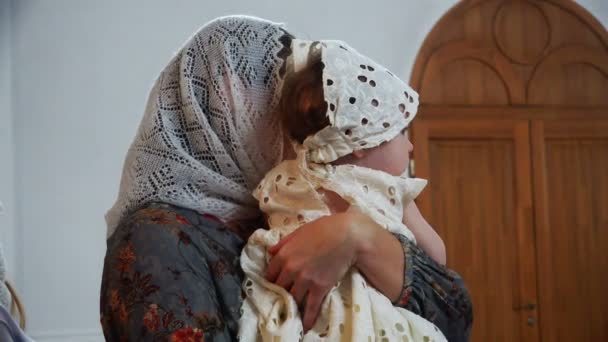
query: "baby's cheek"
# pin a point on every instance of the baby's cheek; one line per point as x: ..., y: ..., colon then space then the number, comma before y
x: 399, y: 158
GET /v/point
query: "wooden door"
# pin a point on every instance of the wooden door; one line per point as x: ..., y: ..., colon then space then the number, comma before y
x: 480, y: 201
x: 542, y: 62
x: 571, y: 202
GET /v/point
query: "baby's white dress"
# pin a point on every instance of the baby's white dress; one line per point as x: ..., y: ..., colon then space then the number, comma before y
x: 353, y: 310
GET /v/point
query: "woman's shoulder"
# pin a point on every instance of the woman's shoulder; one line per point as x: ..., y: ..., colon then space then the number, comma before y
x: 162, y: 225
x: 165, y: 214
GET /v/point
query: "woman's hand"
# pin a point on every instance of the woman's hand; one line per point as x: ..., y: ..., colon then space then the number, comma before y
x: 312, y: 259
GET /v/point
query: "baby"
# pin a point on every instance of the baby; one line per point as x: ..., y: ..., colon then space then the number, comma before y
x: 347, y: 117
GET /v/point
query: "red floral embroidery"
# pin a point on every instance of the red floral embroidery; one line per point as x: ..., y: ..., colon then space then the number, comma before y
x: 123, y: 314
x: 405, y: 298
x: 210, y: 217
x: 184, y: 238
x: 135, y: 295
x: 126, y: 258
x: 157, y: 216
x: 188, y: 335
x: 183, y: 300
x: 143, y: 284
x: 114, y: 299
x: 219, y: 268
x: 181, y: 219
x: 168, y: 317
x: 152, y: 318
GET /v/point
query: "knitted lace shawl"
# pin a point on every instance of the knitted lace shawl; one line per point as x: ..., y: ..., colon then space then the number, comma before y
x: 208, y: 134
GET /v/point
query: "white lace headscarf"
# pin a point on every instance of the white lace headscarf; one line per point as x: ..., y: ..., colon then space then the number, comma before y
x: 209, y: 133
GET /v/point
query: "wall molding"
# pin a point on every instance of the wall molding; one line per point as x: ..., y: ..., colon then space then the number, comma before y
x: 8, y: 231
x: 67, y: 336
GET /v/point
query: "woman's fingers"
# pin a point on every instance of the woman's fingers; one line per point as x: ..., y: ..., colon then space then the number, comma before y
x: 286, y: 277
x: 275, y: 249
x: 309, y: 261
x: 298, y: 291
x: 313, y: 307
x: 274, y: 268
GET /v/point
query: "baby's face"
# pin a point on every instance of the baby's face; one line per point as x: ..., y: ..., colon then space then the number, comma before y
x: 391, y: 157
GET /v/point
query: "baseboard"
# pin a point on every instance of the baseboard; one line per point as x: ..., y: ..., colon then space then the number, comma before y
x: 67, y: 336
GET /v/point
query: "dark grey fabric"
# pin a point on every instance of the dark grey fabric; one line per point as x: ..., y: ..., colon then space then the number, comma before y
x: 171, y: 274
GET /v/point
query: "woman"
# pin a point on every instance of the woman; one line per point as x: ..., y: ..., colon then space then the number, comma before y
x: 185, y: 208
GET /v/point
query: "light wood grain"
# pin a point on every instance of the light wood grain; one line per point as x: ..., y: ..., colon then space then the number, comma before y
x: 512, y: 134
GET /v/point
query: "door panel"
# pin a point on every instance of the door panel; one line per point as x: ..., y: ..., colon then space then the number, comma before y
x: 480, y: 201
x: 571, y: 192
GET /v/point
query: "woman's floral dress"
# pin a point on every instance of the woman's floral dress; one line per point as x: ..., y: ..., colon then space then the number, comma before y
x: 171, y: 274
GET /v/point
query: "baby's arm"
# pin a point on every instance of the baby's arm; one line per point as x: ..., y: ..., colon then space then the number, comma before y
x: 426, y: 237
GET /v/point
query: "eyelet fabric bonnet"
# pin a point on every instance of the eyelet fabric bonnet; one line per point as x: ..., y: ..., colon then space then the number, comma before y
x: 367, y: 104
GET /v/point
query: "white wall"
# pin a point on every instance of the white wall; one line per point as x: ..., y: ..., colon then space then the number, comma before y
x: 7, y: 147
x: 81, y: 73
x: 599, y: 9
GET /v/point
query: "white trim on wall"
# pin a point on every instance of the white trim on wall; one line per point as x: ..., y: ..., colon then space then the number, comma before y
x: 8, y: 232
x: 68, y: 336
